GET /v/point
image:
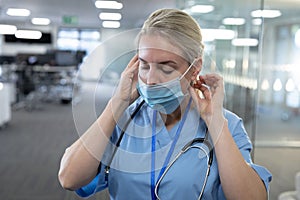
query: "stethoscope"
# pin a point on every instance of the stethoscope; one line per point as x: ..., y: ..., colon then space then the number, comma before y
x: 186, y: 147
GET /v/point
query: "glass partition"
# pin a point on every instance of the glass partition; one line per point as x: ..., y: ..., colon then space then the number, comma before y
x: 278, y: 120
x: 258, y: 54
x: 279, y: 96
x: 231, y: 37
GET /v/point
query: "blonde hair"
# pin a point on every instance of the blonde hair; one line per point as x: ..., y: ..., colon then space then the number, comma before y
x: 178, y: 27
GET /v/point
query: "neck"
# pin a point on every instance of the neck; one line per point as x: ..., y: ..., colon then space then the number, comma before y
x: 171, y: 119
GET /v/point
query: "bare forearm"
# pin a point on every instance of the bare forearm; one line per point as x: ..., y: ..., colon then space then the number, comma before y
x: 238, y: 179
x: 77, y: 167
x: 80, y: 162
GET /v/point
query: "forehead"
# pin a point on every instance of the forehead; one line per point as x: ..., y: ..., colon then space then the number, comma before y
x: 154, y: 48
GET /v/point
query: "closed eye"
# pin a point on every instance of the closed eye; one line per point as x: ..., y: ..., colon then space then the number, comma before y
x: 167, y: 69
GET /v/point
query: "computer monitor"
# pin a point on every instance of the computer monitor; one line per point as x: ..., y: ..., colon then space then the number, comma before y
x: 5, y: 59
x: 65, y: 58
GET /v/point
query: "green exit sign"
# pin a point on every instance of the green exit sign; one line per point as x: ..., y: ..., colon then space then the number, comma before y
x: 70, y: 20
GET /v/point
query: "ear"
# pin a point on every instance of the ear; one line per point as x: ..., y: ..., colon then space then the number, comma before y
x: 197, y: 66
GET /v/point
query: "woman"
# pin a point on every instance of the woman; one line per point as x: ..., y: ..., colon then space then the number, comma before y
x: 170, y: 105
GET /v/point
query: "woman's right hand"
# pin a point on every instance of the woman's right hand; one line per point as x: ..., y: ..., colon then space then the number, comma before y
x: 126, y: 91
x: 80, y: 162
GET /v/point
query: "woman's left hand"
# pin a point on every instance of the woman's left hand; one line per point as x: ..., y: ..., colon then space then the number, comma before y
x: 210, y: 105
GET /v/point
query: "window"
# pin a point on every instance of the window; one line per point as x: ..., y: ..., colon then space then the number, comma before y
x: 78, y: 39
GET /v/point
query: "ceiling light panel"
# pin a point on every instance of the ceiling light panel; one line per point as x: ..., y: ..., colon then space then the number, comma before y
x: 233, y: 21
x: 111, y: 24
x: 18, y: 12
x: 110, y: 16
x: 7, y: 29
x: 217, y: 34
x: 28, y: 34
x: 108, y: 4
x: 244, y: 42
x: 266, y: 13
x: 202, y: 8
x: 40, y: 21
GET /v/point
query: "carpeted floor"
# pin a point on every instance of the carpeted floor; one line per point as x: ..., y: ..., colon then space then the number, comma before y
x: 31, y: 147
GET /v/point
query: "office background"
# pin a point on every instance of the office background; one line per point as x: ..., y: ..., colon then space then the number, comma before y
x: 54, y: 84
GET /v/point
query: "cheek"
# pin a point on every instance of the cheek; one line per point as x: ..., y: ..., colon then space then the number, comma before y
x: 185, y: 84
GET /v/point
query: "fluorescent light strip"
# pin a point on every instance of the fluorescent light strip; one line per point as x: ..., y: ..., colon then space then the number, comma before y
x: 18, y: 12
x: 6, y: 29
x: 202, y: 8
x: 111, y: 24
x: 108, y: 4
x: 266, y: 13
x: 40, y: 21
x: 244, y: 42
x: 28, y: 34
x: 217, y: 34
x: 110, y: 16
x: 233, y: 21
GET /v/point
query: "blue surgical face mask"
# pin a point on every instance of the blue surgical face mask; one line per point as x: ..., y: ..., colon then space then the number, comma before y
x: 163, y: 97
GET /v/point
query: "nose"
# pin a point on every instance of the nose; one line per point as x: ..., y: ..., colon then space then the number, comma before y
x: 152, y: 76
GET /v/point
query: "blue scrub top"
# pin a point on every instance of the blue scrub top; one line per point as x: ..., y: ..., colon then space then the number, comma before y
x: 130, y: 171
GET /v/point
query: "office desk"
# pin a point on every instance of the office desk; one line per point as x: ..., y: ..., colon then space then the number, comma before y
x: 47, y: 83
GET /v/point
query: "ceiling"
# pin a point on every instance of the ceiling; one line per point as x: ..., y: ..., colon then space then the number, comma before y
x: 134, y: 12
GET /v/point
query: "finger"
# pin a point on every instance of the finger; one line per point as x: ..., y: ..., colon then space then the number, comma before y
x: 131, y: 70
x: 132, y: 65
x: 194, y: 94
x: 210, y: 79
x: 203, y: 92
x: 203, y: 88
x: 215, y: 82
x: 135, y: 69
x: 133, y: 61
x: 198, y: 83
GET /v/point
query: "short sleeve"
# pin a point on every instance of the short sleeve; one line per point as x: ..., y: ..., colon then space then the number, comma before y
x: 96, y: 185
x: 244, y: 144
x: 264, y: 174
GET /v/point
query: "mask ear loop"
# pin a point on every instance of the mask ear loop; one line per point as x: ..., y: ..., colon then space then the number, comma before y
x: 188, y: 69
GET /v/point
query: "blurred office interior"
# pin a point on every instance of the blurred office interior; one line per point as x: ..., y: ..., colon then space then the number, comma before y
x: 56, y: 79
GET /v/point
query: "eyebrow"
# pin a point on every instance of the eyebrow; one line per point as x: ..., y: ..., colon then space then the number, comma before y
x: 162, y: 62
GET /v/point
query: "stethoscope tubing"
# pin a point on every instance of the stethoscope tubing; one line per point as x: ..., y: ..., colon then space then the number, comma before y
x: 107, y: 168
x: 184, y: 150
